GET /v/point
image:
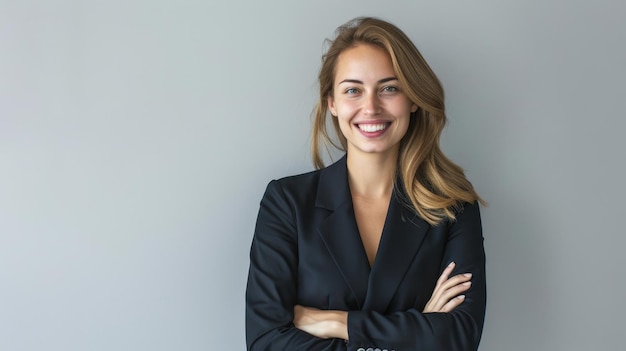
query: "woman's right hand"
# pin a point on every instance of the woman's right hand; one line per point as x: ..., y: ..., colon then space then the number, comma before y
x: 447, y: 294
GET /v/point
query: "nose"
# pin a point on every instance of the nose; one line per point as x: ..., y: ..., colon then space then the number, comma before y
x: 371, y: 104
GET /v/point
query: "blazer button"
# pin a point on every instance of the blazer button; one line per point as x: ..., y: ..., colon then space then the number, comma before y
x: 377, y: 349
x: 360, y: 349
x: 370, y: 349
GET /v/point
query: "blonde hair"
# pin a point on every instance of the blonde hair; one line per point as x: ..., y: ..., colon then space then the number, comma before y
x: 436, y: 187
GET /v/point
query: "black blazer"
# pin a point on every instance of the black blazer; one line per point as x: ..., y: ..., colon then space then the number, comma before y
x: 307, y: 250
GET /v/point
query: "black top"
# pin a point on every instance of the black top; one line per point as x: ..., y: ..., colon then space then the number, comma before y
x: 307, y: 250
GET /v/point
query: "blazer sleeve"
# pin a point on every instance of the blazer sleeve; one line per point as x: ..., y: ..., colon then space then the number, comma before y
x: 272, y: 281
x: 458, y: 330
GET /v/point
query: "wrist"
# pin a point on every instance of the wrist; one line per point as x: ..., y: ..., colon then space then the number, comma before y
x: 338, y: 324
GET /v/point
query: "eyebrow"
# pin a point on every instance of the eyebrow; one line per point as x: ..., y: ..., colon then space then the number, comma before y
x: 356, y: 81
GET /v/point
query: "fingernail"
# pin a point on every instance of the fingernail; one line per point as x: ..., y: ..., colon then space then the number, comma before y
x: 469, y: 275
x: 451, y: 264
x: 467, y: 283
x: 460, y: 297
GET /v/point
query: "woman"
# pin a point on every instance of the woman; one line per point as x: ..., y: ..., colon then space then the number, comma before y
x: 383, y: 249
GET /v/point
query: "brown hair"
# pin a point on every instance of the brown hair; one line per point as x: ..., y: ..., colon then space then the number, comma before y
x: 436, y: 187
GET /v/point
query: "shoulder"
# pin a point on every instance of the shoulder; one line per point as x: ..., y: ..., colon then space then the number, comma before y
x: 325, y: 187
x: 468, y: 211
x: 298, y: 181
x: 467, y: 218
x: 294, y: 188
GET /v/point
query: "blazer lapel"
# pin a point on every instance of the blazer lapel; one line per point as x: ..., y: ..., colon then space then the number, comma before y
x: 339, y: 230
x: 402, y: 236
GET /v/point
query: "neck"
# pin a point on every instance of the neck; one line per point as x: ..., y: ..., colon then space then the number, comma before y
x: 371, y: 175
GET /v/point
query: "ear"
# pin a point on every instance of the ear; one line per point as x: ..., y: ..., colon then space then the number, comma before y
x: 414, y: 108
x: 331, y: 105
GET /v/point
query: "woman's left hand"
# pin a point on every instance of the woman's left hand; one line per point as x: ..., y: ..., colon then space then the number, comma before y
x: 448, y: 291
x: 321, y: 323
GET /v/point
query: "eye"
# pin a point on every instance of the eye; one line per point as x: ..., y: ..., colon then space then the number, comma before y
x: 389, y: 89
x: 352, y: 91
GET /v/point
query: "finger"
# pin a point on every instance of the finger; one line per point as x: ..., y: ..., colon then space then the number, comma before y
x: 455, y: 291
x: 443, y: 284
x: 445, y: 296
x: 456, y: 280
x: 452, y: 304
x: 449, y: 284
x: 446, y: 273
x: 442, y: 280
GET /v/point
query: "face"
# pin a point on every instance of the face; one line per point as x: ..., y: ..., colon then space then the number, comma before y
x: 372, y: 111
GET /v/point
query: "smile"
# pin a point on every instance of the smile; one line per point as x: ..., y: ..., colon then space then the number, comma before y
x: 371, y: 128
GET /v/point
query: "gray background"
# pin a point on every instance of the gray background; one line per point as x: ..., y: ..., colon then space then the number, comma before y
x: 137, y: 137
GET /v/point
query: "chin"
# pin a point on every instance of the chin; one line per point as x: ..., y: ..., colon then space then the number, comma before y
x: 376, y: 150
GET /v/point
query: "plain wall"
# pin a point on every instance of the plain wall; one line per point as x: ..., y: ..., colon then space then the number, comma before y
x: 137, y: 137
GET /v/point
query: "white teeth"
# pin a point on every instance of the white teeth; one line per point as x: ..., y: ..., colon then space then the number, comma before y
x: 372, y: 127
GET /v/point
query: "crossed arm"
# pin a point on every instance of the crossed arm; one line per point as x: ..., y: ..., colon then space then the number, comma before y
x: 327, y: 324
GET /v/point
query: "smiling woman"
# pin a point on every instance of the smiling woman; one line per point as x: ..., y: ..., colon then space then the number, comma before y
x: 372, y: 111
x: 382, y: 249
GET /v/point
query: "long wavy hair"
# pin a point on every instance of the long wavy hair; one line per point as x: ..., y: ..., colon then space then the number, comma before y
x: 435, y: 186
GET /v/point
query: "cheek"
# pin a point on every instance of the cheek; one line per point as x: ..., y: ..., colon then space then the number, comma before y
x: 342, y: 109
x: 404, y: 124
x: 403, y: 128
x: 344, y: 125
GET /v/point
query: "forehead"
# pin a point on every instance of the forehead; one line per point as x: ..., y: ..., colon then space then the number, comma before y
x: 364, y: 62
